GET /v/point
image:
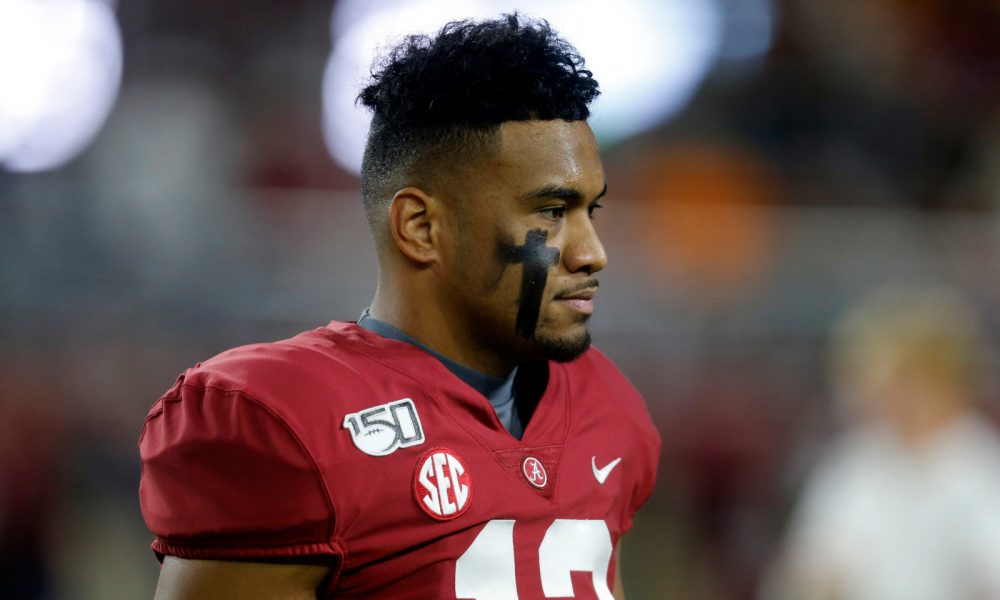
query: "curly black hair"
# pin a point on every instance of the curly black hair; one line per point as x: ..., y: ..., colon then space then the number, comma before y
x: 441, y: 98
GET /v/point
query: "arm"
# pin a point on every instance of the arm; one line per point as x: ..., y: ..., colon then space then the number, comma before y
x: 182, y: 579
x: 224, y: 479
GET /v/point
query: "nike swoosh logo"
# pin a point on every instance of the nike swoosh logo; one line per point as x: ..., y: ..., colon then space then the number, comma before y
x: 601, y: 475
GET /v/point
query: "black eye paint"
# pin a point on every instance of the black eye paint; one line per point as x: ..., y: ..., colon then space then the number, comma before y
x: 535, y: 258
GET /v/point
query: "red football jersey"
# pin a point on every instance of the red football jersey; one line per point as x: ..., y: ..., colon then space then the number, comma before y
x: 345, y: 444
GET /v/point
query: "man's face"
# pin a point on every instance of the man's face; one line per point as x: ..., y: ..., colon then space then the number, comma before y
x: 525, y: 250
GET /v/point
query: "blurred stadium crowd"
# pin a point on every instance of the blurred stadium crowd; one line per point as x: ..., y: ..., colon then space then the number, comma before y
x: 861, y: 151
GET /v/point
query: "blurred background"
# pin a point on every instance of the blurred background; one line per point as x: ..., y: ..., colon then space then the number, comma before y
x: 179, y: 178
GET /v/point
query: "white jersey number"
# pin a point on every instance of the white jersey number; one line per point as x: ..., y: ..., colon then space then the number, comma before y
x: 486, y: 570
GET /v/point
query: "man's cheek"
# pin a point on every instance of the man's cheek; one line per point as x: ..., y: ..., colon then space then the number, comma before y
x: 535, y: 258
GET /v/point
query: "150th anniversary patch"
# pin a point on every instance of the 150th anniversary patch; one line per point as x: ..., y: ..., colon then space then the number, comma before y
x: 381, y: 430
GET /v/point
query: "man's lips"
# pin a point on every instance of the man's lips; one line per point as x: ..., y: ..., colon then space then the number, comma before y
x: 580, y: 298
x: 587, y: 294
x: 585, y: 291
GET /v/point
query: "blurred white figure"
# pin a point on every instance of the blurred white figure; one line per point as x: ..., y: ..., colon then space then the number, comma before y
x: 906, y: 505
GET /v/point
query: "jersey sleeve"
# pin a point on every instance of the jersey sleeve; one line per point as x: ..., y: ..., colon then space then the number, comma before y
x: 223, y: 477
x: 647, y: 442
x: 638, y: 427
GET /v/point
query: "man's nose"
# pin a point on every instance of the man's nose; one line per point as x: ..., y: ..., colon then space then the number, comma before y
x: 584, y: 251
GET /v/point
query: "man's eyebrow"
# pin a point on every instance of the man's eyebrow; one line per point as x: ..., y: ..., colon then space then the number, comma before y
x: 562, y: 192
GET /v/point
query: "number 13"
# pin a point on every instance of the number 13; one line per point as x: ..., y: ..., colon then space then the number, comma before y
x: 486, y: 570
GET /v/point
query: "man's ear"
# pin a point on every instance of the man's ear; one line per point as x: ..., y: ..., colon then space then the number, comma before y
x: 415, y: 225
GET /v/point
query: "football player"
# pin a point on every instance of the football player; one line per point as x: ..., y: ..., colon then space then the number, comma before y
x: 461, y: 439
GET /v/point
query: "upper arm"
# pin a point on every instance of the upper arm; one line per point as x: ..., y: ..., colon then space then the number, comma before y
x: 223, y: 478
x: 183, y: 579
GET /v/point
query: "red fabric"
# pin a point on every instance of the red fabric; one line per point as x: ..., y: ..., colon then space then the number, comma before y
x: 246, y: 456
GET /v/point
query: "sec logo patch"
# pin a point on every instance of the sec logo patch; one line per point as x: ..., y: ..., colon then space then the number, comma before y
x: 442, y: 485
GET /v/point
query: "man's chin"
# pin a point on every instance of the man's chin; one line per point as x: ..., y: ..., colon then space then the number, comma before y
x: 563, y: 348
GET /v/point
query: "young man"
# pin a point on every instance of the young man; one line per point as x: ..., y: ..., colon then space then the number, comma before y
x: 461, y: 440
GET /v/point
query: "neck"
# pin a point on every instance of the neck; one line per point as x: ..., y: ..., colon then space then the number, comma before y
x: 422, y: 317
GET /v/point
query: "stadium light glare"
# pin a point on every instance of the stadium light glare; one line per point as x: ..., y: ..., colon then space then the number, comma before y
x: 60, y: 69
x: 649, y: 55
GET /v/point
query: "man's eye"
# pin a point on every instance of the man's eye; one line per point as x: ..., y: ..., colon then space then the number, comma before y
x: 554, y: 212
x: 593, y: 209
